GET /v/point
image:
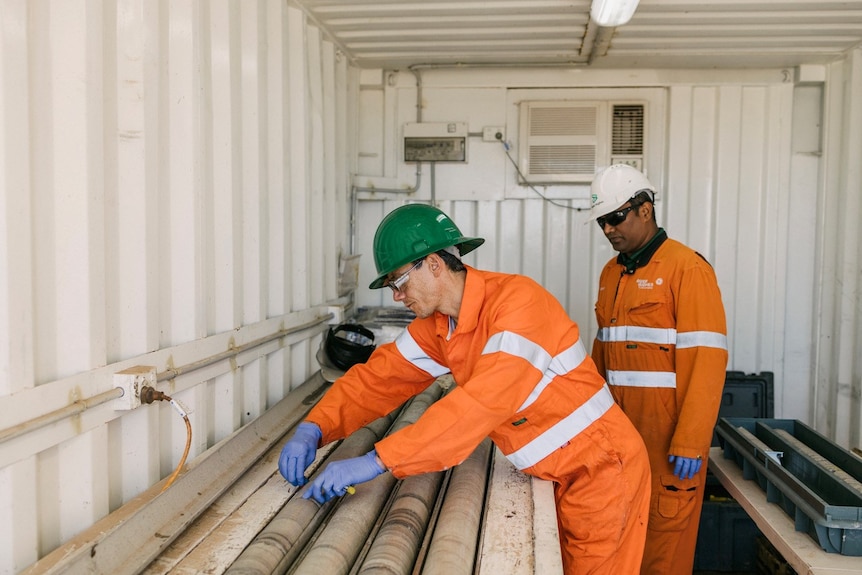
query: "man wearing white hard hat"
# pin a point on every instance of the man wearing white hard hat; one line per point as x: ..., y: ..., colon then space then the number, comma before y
x: 662, y: 347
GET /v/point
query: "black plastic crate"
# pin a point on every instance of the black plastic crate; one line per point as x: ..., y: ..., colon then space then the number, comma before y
x: 744, y: 395
x: 748, y: 395
x: 726, y: 535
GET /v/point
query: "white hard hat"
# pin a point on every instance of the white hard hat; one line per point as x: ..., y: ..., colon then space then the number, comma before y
x: 614, y: 186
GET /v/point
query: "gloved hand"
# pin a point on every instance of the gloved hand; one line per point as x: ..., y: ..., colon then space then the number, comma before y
x: 686, y: 467
x: 339, y: 475
x: 298, y: 453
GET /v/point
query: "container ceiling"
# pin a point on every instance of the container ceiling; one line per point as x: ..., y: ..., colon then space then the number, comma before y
x: 397, y: 34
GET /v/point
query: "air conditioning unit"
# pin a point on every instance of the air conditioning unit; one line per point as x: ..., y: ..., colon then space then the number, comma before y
x: 566, y: 142
x: 627, y: 135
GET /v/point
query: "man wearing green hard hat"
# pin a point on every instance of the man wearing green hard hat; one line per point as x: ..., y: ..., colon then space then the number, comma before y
x: 523, y: 378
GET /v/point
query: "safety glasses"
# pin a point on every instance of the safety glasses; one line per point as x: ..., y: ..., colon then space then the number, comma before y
x: 615, y: 218
x: 396, y: 284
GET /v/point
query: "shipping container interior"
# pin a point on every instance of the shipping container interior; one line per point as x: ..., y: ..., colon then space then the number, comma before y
x: 189, y: 191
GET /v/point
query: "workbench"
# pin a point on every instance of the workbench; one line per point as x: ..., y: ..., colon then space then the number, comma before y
x: 801, y: 551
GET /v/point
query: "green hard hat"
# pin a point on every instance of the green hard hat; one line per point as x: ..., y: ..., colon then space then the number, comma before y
x: 411, y: 232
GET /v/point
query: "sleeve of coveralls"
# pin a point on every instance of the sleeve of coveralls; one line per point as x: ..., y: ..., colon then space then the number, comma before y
x: 598, y: 355
x: 451, y: 429
x: 700, y: 367
x: 598, y: 350
x: 367, y: 391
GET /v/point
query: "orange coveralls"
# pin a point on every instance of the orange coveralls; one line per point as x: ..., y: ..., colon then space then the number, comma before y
x: 662, y: 346
x: 523, y: 379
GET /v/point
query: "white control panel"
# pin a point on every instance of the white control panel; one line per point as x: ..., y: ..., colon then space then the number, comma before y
x: 435, y: 142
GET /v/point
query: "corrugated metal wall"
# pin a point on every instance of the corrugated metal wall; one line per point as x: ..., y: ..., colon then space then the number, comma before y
x: 173, y: 185
x: 836, y: 313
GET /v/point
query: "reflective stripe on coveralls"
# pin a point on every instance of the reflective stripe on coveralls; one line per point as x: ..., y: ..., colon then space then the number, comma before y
x: 701, y: 339
x: 642, y: 378
x: 518, y: 346
x: 514, y: 344
x: 411, y: 351
x: 565, y: 430
x: 666, y: 336
x: 660, y: 336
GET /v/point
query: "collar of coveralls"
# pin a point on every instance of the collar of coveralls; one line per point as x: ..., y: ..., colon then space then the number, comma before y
x: 642, y: 257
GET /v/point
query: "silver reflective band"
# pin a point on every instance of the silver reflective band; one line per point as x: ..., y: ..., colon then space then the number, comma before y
x: 411, y: 351
x: 642, y: 378
x: 701, y: 339
x: 519, y: 346
x: 564, y: 431
x: 662, y: 336
x: 666, y: 336
x: 561, y: 364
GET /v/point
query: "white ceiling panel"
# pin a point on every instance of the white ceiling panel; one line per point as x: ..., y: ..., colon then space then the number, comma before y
x: 397, y: 34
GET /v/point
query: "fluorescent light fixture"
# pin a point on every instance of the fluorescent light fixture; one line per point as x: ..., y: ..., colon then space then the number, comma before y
x: 612, y: 13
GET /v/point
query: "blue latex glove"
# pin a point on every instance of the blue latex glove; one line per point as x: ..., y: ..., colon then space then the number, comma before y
x: 686, y: 467
x: 298, y: 453
x: 339, y: 475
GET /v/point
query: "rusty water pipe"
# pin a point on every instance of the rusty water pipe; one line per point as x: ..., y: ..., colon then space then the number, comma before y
x: 82, y: 405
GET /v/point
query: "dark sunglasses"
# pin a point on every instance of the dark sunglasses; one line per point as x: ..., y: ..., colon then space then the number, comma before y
x: 615, y: 218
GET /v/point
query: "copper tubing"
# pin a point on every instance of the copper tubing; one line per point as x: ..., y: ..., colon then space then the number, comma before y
x: 149, y: 395
x: 185, y: 454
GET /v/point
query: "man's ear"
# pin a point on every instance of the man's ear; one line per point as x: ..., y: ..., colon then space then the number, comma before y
x: 645, y: 209
x: 434, y: 263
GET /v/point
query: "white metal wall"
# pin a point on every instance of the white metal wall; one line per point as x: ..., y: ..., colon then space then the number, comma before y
x: 757, y: 171
x: 836, y: 378
x: 173, y: 185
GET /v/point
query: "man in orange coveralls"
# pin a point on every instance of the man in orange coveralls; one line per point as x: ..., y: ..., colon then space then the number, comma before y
x: 523, y: 378
x: 662, y: 346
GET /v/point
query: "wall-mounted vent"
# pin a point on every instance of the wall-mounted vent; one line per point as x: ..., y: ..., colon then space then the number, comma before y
x: 561, y: 141
x: 568, y: 141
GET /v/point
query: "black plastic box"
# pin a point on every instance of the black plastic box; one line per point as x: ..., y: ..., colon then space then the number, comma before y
x: 746, y: 396
x: 726, y: 537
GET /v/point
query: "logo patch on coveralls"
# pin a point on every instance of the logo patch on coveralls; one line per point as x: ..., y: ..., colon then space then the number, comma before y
x: 645, y: 284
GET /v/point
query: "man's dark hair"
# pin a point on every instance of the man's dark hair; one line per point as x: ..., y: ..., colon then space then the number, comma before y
x: 643, y: 197
x: 452, y: 262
